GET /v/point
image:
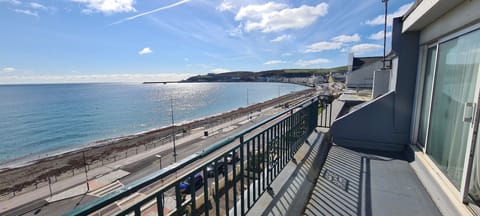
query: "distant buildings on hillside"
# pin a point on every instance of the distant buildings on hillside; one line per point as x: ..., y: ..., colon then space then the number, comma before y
x: 303, y: 77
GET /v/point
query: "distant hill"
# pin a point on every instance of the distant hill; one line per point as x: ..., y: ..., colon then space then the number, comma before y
x: 264, y: 76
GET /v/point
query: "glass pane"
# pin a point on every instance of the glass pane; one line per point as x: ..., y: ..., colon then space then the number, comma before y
x: 427, y: 95
x: 457, y: 70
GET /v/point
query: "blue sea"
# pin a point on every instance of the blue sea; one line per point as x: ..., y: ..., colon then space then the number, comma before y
x: 41, y: 118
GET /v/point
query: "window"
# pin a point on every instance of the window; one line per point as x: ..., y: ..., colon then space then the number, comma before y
x: 454, y: 89
x: 426, y: 96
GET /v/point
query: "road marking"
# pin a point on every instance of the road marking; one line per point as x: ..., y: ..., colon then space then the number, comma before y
x: 106, y: 189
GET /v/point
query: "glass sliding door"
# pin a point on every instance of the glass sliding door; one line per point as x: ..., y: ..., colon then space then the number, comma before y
x: 472, y: 59
x: 453, y: 97
x: 426, y: 95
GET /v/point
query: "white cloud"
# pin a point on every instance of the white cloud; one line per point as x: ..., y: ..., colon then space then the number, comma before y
x: 152, y: 11
x: 220, y: 70
x: 363, y: 48
x: 257, y: 11
x: 38, y: 6
x: 15, y: 2
x: 380, y: 19
x: 379, y: 35
x: 27, y: 12
x: 275, y: 17
x: 322, y: 46
x: 8, y: 69
x: 107, y: 6
x: 273, y: 62
x: 306, y: 63
x: 226, y: 5
x: 347, y: 38
x: 281, y: 38
x: 145, y: 51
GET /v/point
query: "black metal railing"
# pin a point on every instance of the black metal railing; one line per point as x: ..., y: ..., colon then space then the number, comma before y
x: 248, y: 161
x: 325, y: 110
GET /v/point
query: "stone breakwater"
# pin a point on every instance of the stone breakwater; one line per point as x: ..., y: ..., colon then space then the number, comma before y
x: 36, y: 173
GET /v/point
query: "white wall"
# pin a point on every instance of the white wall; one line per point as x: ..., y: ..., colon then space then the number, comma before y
x: 381, y: 82
x: 362, y: 77
x: 393, y: 75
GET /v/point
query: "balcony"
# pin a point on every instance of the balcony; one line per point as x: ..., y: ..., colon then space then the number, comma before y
x: 228, y: 176
x: 286, y: 165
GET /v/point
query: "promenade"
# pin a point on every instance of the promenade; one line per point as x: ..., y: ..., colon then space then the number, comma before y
x: 107, y: 178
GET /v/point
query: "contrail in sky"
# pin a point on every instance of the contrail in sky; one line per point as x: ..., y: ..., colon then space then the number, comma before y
x: 152, y: 11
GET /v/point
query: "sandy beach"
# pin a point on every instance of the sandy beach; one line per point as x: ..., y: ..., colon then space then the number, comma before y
x: 27, y: 174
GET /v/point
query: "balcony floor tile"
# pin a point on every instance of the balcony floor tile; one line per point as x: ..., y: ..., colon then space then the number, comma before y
x: 358, y: 182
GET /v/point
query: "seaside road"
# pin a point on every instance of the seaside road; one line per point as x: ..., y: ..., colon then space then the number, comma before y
x: 28, y: 207
x: 147, y: 160
x: 151, y: 164
x: 155, y: 166
x: 55, y: 208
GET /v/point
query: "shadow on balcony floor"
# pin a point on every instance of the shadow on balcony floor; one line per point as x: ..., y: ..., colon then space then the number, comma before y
x: 357, y: 182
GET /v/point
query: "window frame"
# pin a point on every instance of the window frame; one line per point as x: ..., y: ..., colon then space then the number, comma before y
x: 462, y: 192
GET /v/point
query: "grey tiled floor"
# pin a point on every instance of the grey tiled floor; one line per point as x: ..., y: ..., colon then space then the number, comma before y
x: 355, y: 182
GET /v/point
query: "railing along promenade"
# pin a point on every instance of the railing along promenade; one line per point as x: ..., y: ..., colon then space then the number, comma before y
x: 247, y: 167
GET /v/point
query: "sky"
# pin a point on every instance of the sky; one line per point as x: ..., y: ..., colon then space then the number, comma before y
x: 49, y: 41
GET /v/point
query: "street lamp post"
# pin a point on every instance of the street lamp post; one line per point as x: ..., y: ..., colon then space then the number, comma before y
x: 248, y: 103
x: 49, y: 187
x: 247, y: 98
x: 160, y: 160
x: 385, y: 32
x: 86, y: 172
x: 173, y: 132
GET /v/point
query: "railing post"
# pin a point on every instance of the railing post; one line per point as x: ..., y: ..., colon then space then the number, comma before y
x: 217, y: 190
x: 259, y: 162
x: 284, y: 142
x: 242, y: 175
x: 254, y: 167
x: 321, y: 114
x: 226, y: 187
x: 205, y: 191
x: 268, y: 140
x: 265, y: 154
x: 330, y: 122
x: 178, y: 200
x: 160, y: 204
x: 248, y: 173
x: 193, y: 188
x: 234, y: 182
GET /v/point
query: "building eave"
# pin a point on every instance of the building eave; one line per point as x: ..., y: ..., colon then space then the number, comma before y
x: 425, y: 12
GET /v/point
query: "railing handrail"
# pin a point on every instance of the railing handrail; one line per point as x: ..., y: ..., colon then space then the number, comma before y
x: 158, y: 175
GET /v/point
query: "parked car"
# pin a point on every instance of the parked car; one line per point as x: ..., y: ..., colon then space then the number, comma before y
x: 211, y: 168
x: 196, y: 182
x: 233, y: 158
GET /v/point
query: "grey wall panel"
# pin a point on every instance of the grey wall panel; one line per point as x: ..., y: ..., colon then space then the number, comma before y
x: 370, y: 127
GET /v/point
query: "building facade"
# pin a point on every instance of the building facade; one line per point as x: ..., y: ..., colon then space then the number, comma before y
x: 431, y: 105
x: 447, y: 91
